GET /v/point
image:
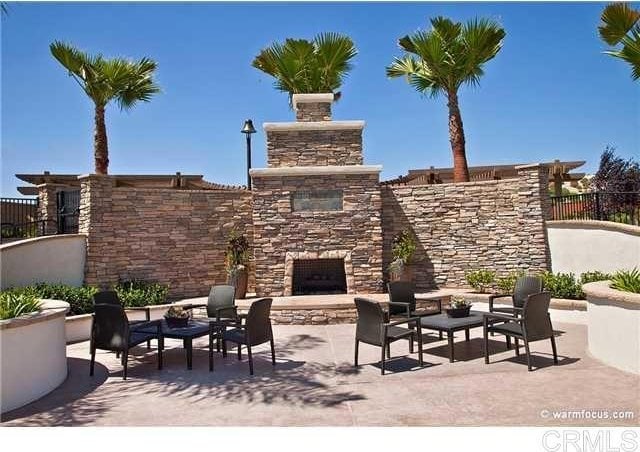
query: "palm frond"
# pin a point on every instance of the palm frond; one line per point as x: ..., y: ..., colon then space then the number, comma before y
x: 302, y: 66
x: 617, y: 20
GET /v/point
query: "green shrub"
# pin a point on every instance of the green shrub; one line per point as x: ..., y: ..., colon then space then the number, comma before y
x: 593, y: 276
x: 562, y: 285
x: 626, y: 280
x: 141, y: 293
x: 480, y: 279
x: 506, y: 284
x: 14, y: 304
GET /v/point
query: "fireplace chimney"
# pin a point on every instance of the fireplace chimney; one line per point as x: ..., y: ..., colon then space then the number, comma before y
x: 312, y: 107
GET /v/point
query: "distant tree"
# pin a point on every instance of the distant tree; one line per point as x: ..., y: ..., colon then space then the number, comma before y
x: 104, y: 80
x: 621, y: 25
x: 616, y: 174
x: 441, y: 60
x: 4, y: 8
x: 301, y: 66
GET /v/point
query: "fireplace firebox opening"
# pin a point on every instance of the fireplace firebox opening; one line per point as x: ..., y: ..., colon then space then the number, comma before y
x: 319, y: 277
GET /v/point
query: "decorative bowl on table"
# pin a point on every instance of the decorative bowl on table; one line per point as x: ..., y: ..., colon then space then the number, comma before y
x: 458, y: 307
x: 177, y: 317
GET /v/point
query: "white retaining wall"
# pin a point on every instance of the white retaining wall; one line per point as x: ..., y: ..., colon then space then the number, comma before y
x: 581, y: 246
x: 52, y: 259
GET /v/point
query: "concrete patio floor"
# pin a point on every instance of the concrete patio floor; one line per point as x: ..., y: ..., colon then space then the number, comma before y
x: 315, y: 384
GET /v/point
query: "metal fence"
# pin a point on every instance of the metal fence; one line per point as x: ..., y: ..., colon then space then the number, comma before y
x: 20, y: 219
x: 620, y: 207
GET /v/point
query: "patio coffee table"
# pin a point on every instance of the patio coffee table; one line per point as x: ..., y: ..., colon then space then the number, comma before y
x: 443, y: 323
x: 195, y: 329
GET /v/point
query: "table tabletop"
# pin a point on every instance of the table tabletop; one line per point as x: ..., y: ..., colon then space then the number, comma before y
x: 443, y: 322
x: 195, y: 328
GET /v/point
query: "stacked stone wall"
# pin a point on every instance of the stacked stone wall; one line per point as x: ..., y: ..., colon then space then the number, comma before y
x: 314, y: 147
x: 174, y: 237
x: 494, y: 225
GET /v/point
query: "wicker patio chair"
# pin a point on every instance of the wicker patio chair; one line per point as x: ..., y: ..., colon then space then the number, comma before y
x: 402, y: 301
x: 533, y: 324
x: 373, y: 328
x: 111, y: 330
x: 255, y: 331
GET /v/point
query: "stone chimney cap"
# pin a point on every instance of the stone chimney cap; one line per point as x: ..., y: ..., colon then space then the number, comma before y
x: 315, y: 98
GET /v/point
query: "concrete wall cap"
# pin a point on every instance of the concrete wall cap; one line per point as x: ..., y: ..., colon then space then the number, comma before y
x: 593, y: 224
x: 47, y: 238
x: 315, y: 170
x: 315, y: 98
x: 312, y: 125
x: 601, y: 290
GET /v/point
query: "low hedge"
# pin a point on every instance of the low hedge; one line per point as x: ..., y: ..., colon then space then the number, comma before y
x: 80, y: 299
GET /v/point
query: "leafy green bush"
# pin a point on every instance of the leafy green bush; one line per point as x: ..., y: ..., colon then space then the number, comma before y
x: 80, y: 299
x: 506, y: 284
x: 13, y: 304
x: 141, y: 293
x: 480, y: 279
x: 593, y: 276
x: 626, y: 280
x: 562, y: 285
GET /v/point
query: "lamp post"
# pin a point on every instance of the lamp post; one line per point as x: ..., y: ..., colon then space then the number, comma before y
x: 248, y: 130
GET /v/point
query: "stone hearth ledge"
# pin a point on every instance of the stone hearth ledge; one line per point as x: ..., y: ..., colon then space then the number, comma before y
x: 315, y: 170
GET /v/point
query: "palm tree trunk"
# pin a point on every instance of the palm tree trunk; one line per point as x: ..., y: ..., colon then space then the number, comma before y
x: 100, y: 147
x: 456, y: 137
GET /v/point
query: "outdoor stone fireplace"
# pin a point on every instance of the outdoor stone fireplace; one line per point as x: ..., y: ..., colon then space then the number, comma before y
x: 316, y: 208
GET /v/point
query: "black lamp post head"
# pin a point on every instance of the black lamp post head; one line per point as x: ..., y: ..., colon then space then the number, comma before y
x: 248, y: 127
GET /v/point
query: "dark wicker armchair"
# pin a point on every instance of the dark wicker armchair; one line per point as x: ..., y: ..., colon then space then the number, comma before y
x: 111, y: 297
x: 255, y: 331
x: 402, y: 301
x: 533, y: 324
x: 373, y: 328
x: 111, y: 330
x: 525, y: 286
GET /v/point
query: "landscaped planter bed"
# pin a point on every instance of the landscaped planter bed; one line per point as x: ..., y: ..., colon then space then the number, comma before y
x: 33, y: 353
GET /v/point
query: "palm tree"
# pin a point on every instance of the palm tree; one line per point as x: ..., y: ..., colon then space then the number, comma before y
x: 621, y: 25
x: 301, y: 66
x: 104, y: 80
x: 441, y: 60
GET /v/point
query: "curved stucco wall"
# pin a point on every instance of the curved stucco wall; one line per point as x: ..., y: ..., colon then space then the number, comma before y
x: 53, y: 259
x: 613, y: 326
x: 33, y: 355
x: 581, y: 246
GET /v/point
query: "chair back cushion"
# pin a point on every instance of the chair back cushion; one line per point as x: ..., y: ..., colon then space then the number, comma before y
x: 110, y: 326
x: 537, y: 323
x: 258, y: 322
x: 220, y: 297
x: 401, y: 292
x: 370, y: 320
x: 525, y: 286
x: 106, y: 297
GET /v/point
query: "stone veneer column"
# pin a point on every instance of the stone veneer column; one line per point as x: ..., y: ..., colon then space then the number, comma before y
x: 48, y: 208
x: 312, y: 107
x: 98, y: 222
x: 534, y: 208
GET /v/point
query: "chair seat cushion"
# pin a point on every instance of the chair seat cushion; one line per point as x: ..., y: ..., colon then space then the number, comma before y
x: 234, y: 335
x: 397, y: 332
x: 138, y: 337
x: 510, y: 328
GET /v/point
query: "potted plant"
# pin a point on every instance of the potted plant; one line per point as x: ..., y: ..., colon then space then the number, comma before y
x: 404, y: 247
x: 236, y: 261
x: 177, y: 317
x: 458, y: 307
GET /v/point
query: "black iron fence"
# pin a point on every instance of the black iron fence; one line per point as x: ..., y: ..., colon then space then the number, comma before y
x: 68, y: 203
x: 620, y: 207
x: 19, y: 218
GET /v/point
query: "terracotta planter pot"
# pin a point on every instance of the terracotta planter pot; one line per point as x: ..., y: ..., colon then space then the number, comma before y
x: 240, y: 281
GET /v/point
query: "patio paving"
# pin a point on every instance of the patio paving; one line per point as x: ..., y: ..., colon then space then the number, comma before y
x: 315, y: 384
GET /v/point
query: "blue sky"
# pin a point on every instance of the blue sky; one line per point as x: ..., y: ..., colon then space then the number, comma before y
x: 550, y: 93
